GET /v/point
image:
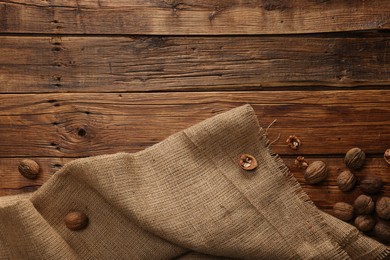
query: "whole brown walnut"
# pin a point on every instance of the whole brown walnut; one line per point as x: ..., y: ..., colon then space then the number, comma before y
x: 371, y: 185
x: 364, y: 205
x: 364, y: 222
x: 343, y: 211
x: 346, y: 180
x: 76, y: 220
x: 354, y: 158
x: 382, y: 231
x: 383, y: 208
x: 29, y: 168
x: 316, y: 172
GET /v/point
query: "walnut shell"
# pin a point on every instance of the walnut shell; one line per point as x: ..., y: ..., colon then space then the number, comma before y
x: 301, y: 163
x: 28, y: 168
x: 316, y: 172
x: 76, y: 220
x: 346, y: 180
x: 343, y: 211
x: 382, y: 231
x: 364, y: 205
x: 247, y: 162
x: 354, y: 158
x: 371, y: 185
x: 383, y: 208
x: 364, y: 223
x: 387, y: 156
x: 293, y: 142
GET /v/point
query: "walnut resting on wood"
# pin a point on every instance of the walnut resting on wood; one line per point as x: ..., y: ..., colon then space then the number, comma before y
x: 343, y: 211
x: 371, y: 185
x: 346, y: 180
x: 383, y: 208
x: 354, y: 158
x: 364, y: 205
x: 29, y: 168
x: 364, y: 222
x: 316, y: 172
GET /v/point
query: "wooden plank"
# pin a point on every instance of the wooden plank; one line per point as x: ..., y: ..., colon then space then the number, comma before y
x: 192, y: 16
x: 12, y: 182
x: 117, y: 64
x: 77, y: 125
x: 324, y: 195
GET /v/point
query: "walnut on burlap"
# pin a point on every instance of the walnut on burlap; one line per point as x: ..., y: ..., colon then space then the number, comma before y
x: 185, y: 198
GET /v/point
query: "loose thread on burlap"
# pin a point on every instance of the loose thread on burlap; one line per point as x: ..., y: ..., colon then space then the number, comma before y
x: 266, y: 134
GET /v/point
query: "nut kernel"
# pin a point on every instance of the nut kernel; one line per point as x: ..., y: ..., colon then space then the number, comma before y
x: 293, y: 142
x: 247, y: 162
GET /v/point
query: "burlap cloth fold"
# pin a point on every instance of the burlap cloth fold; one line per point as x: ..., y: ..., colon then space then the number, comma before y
x: 186, y: 198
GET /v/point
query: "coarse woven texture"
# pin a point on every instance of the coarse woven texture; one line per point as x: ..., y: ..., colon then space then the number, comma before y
x: 184, y: 198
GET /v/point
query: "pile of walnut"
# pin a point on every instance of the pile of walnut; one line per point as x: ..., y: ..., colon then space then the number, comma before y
x: 371, y: 217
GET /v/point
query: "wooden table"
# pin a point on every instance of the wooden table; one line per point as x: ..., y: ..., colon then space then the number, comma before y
x: 83, y: 78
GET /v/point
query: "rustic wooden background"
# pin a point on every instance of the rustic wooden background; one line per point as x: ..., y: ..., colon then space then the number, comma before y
x: 88, y: 77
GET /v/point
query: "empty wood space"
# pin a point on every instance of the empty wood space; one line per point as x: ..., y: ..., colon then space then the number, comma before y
x: 84, y: 78
x: 192, y: 17
x: 169, y: 63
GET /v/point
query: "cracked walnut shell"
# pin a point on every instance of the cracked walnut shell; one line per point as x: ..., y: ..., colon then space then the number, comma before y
x: 293, y: 142
x: 301, y: 163
x: 387, y: 156
x: 247, y: 162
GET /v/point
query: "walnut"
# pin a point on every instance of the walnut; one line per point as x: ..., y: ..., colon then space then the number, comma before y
x: 371, y: 185
x: 364, y: 205
x: 354, y: 158
x: 29, y: 168
x: 301, y: 163
x: 346, y: 180
x: 387, y: 156
x: 383, y: 208
x: 364, y: 222
x: 293, y: 142
x: 382, y: 231
x: 247, y: 162
x: 316, y: 172
x: 76, y: 220
x: 343, y: 211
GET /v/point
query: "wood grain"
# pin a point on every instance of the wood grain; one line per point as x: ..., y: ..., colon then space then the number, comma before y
x: 77, y: 125
x: 324, y: 195
x: 118, y: 64
x: 192, y: 17
x: 14, y: 183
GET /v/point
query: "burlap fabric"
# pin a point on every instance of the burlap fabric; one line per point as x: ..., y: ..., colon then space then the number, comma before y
x: 186, y: 198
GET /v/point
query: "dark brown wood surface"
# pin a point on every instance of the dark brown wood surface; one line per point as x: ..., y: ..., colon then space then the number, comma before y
x: 83, y: 78
x: 189, y: 17
x: 76, y: 125
x: 166, y: 63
